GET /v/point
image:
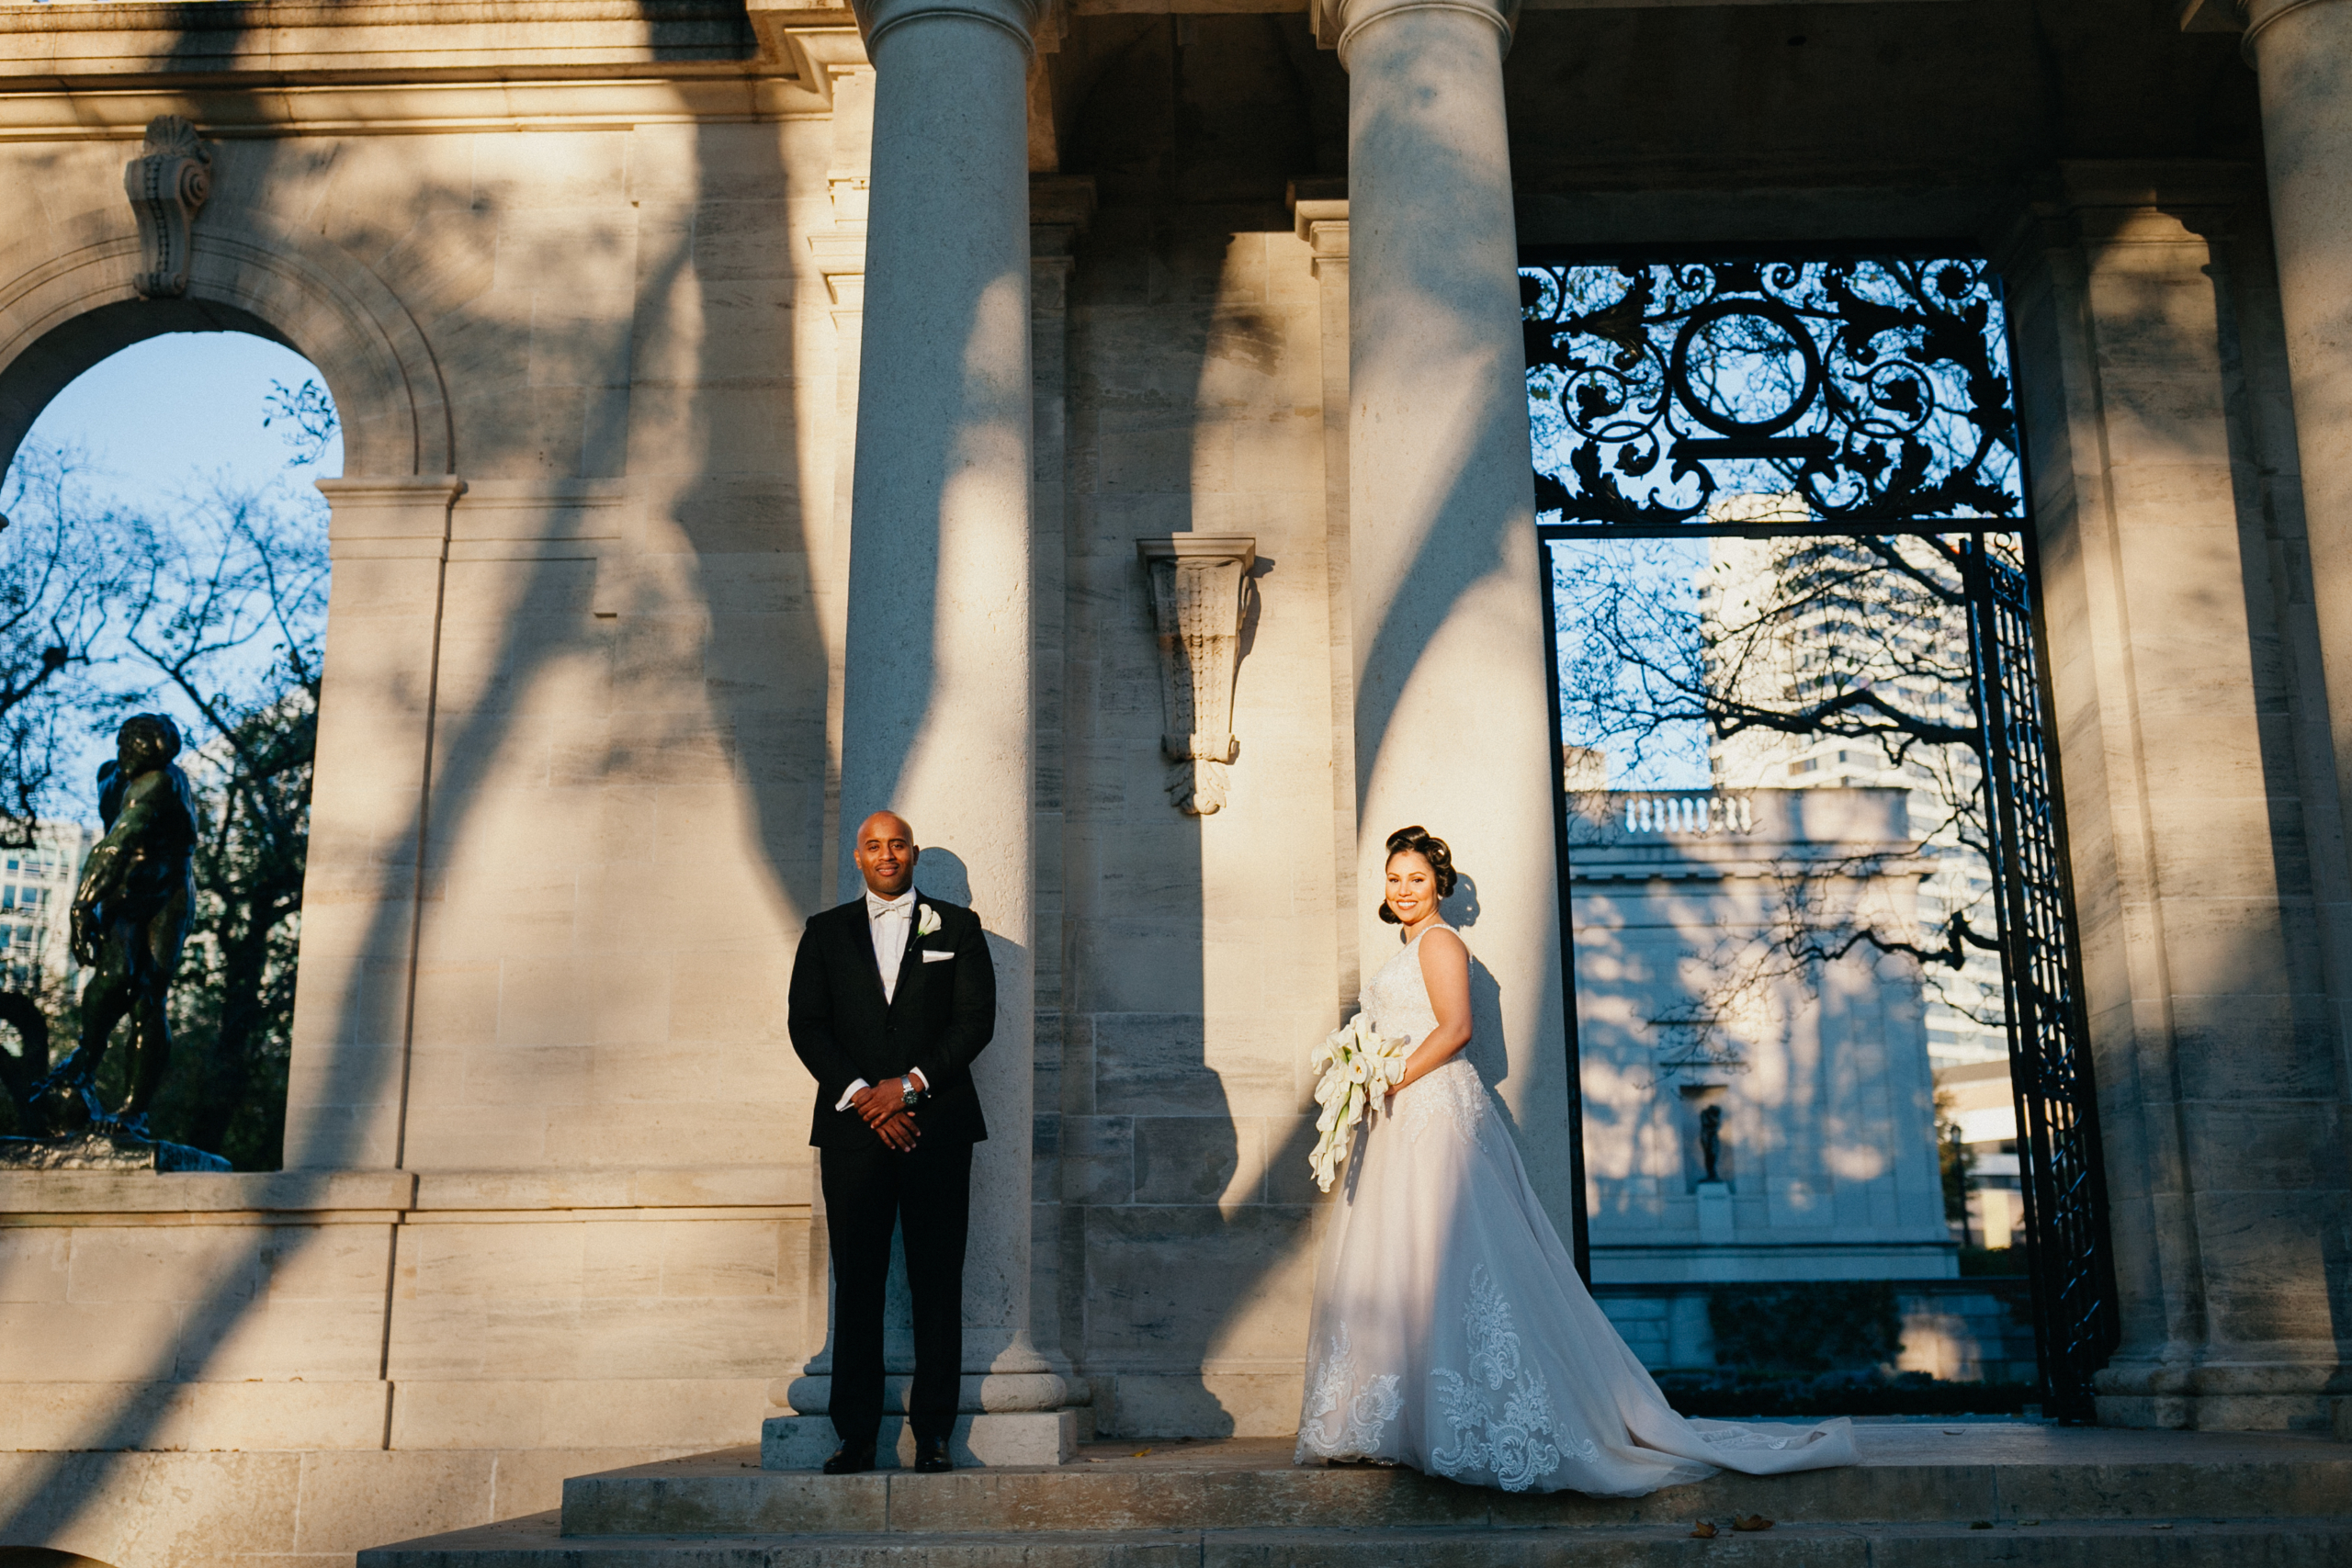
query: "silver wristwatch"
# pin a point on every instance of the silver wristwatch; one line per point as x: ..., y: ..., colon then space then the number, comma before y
x: 909, y: 1095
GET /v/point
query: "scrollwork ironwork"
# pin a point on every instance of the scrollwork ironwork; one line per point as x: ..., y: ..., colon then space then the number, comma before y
x: 1857, y: 391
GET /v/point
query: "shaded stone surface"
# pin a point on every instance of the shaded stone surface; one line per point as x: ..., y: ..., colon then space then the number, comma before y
x: 1917, y: 1473
x: 1924, y: 1494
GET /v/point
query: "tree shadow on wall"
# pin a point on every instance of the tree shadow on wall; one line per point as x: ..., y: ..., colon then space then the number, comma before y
x: 578, y: 684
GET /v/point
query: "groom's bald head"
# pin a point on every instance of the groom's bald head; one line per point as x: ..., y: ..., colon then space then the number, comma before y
x: 886, y: 853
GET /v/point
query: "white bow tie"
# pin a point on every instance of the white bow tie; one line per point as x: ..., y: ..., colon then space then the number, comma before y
x: 877, y: 907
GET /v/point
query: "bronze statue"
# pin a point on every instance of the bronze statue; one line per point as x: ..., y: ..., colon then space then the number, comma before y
x: 131, y: 919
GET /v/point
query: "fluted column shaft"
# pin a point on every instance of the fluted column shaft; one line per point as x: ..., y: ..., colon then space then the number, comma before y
x: 2301, y: 48
x: 936, y: 703
x: 1452, y: 694
x: 2303, y: 52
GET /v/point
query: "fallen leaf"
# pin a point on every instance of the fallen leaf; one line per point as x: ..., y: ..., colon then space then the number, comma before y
x: 1751, y: 1522
x: 2160, y: 1527
x: 1139, y: 1453
x: 1703, y: 1530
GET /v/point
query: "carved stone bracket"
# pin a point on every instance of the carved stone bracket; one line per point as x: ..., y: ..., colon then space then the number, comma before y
x: 1197, y: 583
x: 167, y: 183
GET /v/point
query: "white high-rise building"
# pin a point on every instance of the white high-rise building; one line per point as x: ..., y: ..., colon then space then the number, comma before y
x: 35, y: 902
x: 1840, y: 632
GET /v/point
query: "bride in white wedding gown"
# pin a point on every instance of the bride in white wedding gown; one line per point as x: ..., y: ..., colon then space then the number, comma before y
x: 1451, y: 1332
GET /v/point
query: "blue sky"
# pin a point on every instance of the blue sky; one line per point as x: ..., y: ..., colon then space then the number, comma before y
x: 176, y: 408
x: 158, y: 421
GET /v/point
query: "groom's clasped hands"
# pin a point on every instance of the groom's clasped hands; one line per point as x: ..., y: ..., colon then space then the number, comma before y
x: 886, y: 1113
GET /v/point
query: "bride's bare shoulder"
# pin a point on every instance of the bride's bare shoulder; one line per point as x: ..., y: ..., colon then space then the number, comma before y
x: 1444, y: 944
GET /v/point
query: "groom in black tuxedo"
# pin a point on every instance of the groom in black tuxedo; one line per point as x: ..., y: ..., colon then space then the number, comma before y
x: 893, y: 995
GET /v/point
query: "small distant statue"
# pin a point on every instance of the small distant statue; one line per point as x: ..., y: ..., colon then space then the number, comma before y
x: 1711, y: 1140
x: 131, y: 919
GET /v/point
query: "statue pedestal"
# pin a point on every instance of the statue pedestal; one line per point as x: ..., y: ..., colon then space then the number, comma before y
x: 97, y: 1151
x: 1714, y: 1211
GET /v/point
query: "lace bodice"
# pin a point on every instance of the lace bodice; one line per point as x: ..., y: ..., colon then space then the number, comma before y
x: 1398, y: 997
x: 1452, y: 1095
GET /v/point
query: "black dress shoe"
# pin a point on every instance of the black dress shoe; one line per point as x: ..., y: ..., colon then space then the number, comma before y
x: 849, y: 1460
x: 931, y: 1455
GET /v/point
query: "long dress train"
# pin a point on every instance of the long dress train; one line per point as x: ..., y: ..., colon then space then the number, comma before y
x: 1449, y: 1329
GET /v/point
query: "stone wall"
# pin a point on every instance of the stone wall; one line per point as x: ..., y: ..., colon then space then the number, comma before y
x: 572, y: 809
x: 1199, y: 951
x: 1827, y: 1164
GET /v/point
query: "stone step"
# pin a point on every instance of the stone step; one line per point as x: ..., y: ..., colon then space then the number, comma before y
x: 537, y: 1542
x: 1909, y: 1475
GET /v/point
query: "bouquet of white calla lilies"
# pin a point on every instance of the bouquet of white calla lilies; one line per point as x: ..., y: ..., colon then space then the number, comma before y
x: 1358, y: 1067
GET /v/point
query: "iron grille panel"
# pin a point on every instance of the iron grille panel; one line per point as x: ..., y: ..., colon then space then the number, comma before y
x: 2063, y: 1187
x: 1863, y: 390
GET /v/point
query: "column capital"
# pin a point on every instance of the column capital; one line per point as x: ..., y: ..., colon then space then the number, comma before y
x: 2257, y: 16
x: 1022, y: 18
x: 1337, y: 22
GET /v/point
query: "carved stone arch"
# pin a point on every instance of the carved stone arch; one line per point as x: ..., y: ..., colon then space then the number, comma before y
x: 67, y: 300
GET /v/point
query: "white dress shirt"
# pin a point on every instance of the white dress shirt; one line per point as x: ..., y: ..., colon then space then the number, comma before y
x: 888, y: 920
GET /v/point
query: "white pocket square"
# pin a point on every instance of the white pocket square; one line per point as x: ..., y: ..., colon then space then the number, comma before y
x: 937, y: 957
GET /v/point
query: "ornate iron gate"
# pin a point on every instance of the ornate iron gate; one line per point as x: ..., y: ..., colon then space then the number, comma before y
x: 2064, y: 1185
x: 1857, y: 396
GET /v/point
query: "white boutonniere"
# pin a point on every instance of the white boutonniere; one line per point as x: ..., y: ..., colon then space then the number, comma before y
x: 927, y: 921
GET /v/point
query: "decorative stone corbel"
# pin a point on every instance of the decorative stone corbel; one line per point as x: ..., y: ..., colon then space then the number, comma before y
x: 166, y: 183
x: 1197, y: 582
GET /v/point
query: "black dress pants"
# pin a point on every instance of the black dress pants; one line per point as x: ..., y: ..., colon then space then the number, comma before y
x: 928, y: 1191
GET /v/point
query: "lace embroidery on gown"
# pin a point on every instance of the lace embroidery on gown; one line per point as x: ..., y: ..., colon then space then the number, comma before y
x: 1451, y: 1331
x: 1510, y: 1444
x: 1363, y: 1409
x: 1451, y: 1095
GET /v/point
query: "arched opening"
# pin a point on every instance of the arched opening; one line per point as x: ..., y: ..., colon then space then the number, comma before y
x: 165, y: 554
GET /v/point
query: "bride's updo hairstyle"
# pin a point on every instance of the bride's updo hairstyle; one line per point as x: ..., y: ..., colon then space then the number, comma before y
x: 1418, y: 841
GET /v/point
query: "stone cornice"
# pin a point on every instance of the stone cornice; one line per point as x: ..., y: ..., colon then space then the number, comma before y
x: 297, y: 40
x: 301, y: 66
x: 328, y: 67
x: 228, y: 111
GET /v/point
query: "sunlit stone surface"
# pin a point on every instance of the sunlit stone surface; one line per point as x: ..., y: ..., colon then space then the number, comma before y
x: 608, y: 675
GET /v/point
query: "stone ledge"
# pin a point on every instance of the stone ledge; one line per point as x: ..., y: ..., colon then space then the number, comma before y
x: 28, y: 1196
x: 535, y: 1542
x: 33, y: 1198
x: 1909, y: 1473
x: 360, y: 103
x: 717, y: 1187
x: 236, y: 1416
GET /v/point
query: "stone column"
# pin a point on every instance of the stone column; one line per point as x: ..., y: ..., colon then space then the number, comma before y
x: 937, y: 698
x: 1452, y: 695
x: 2300, y: 47
x: 347, y: 1081
x: 2171, y: 698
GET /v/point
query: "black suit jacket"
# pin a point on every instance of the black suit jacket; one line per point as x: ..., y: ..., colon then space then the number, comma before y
x: 941, y: 1016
